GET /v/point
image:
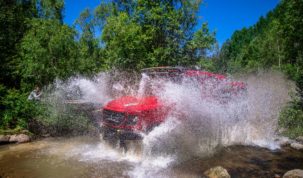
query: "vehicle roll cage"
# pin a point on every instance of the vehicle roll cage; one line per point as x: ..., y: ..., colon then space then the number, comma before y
x: 164, y: 71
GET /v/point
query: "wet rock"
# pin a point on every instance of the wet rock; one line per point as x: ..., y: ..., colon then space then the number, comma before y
x: 4, y: 138
x: 46, y: 135
x: 296, y: 173
x: 13, y: 138
x: 20, y: 138
x: 217, y: 172
x: 297, y: 146
x: 284, y: 141
x: 299, y: 139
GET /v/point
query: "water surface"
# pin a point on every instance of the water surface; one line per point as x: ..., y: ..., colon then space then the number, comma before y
x: 90, y: 157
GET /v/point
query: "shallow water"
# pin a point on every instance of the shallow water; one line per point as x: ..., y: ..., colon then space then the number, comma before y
x: 90, y: 157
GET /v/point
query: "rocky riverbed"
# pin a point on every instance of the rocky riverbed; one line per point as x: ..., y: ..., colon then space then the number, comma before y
x: 90, y: 157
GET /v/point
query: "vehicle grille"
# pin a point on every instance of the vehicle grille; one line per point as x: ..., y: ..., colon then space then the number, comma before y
x: 114, y: 118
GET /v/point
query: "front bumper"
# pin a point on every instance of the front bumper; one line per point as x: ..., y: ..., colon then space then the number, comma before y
x: 112, y: 133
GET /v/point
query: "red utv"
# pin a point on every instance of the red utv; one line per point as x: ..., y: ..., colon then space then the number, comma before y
x: 126, y: 117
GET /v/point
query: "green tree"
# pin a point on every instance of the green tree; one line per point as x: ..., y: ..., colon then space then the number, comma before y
x: 125, y: 43
x: 51, y: 9
x: 13, y: 26
x: 202, y: 42
x: 48, y: 50
x: 90, y: 58
x: 154, y: 32
x: 274, y: 41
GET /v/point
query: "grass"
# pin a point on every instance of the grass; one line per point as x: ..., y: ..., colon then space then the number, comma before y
x: 17, y: 130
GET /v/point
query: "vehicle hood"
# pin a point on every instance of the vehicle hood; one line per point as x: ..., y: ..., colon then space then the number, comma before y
x: 132, y: 104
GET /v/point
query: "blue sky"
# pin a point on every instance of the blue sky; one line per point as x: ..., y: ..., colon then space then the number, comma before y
x: 223, y: 16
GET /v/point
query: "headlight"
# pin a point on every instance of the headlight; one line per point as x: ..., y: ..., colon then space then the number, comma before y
x: 132, y: 120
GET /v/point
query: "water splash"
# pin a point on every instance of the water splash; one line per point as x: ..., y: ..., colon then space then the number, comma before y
x: 207, y: 124
x: 94, y: 90
x: 198, y: 125
x: 142, y: 85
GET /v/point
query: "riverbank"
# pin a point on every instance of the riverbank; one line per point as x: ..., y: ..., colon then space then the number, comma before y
x: 15, y: 136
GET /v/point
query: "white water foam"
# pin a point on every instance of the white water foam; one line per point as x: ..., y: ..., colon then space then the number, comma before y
x: 93, y: 90
x: 207, y: 124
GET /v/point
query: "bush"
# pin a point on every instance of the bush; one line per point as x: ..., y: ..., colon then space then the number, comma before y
x: 50, y: 115
x: 291, y: 118
x: 60, y: 118
x: 18, y: 111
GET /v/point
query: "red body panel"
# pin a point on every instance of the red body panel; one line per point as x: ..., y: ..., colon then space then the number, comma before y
x: 148, y: 110
x: 132, y: 104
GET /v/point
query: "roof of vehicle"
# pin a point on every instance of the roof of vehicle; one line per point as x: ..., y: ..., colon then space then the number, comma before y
x: 167, y: 70
x: 204, y: 73
x: 163, y: 70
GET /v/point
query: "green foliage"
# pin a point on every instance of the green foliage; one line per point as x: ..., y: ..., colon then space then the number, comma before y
x: 18, y: 110
x: 48, y: 50
x: 145, y: 33
x: 29, y: 47
x: 59, y: 118
x: 275, y: 41
x: 125, y: 43
x: 89, y: 59
x: 50, y: 9
x: 13, y: 26
x: 291, y: 118
x: 206, y: 64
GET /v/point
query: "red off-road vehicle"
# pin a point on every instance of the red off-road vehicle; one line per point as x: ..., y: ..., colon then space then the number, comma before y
x: 128, y: 116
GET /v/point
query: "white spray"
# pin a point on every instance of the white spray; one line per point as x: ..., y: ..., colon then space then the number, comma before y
x: 205, y: 124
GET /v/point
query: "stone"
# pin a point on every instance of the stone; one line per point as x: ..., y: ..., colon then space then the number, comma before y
x: 217, y: 172
x: 299, y: 139
x: 296, y: 173
x: 46, y: 135
x: 297, y: 146
x: 20, y: 138
x: 13, y: 138
x: 284, y: 141
x: 4, y: 138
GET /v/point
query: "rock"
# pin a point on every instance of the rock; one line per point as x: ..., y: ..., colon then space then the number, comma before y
x: 20, y: 138
x: 284, y: 141
x: 296, y: 173
x: 13, y: 138
x: 217, y: 172
x: 4, y: 138
x: 299, y: 139
x: 46, y: 135
x: 297, y: 146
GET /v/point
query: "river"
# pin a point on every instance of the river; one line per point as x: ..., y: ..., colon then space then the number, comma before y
x: 89, y: 157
